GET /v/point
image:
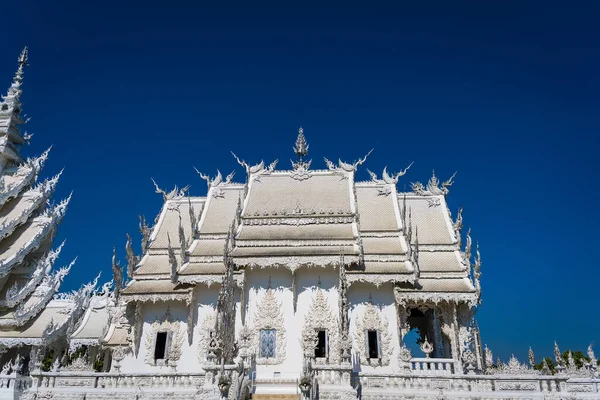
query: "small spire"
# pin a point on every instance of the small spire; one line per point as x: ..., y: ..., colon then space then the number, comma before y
x: 301, y: 146
x: 15, y: 88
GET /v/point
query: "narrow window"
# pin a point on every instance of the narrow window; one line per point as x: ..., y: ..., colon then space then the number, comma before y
x: 161, y: 346
x: 268, y: 343
x: 321, y: 349
x: 373, y: 342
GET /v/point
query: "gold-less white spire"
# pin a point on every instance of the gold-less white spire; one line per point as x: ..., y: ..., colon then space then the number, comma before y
x: 14, y: 91
x: 301, y: 146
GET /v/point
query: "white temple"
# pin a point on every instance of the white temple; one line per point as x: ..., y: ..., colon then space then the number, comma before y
x: 290, y: 283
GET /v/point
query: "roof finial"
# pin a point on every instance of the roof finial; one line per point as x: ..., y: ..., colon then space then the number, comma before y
x: 301, y: 146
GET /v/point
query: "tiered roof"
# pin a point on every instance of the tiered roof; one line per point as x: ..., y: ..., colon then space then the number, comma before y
x: 310, y: 218
x: 28, y: 223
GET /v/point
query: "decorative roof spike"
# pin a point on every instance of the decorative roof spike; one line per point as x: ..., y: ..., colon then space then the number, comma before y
x: 393, y: 179
x: 416, y: 252
x: 61, y: 208
x: 343, y: 296
x: 557, y: 358
x: 117, y: 272
x: 182, y: 241
x: 132, y: 259
x: 37, y: 163
x: 468, y: 247
x: 531, y: 358
x: 176, y: 193
x: 489, y: 357
x: 251, y: 169
x: 571, y: 360
x: 545, y: 367
x: 458, y: 224
x: 591, y: 355
x: 477, y: 267
x: 354, y: 166
x: 172, y: 260
x: 210, y: 182
x: 193, y: 220
x: 301, y: 146
x: 229, y: 177
x: 404, y: 211
x: 477, y: 270
x: 145, y: 231
x: 409, y: 226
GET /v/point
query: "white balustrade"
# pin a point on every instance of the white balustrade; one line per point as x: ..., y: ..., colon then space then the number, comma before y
x: 432, y: 366
x: 103, y: 380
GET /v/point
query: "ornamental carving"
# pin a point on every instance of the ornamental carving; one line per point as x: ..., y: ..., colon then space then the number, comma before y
x: 373, y: 319
x: 301, y: 170
x: 318, y: 318
x: 514, y: 367
x: 206, y: 327
x: 405, y: 298
x: 292, y: 263
x: 176, y: 334
x: 433, y: 186
x: 269, y: 316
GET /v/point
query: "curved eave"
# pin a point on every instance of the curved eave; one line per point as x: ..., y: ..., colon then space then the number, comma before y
x: 116, y: 336
x: 91, y: 327
x: 8, y: 152
x: 457, y: 290
x: 35, y: 303
x: 379, y: 279
x: 33, y: 333
x: 13, y: 184
x: 9, y: 123
x: 27, y: 238
x: 294, y: 262
x: 43, y: 265
x: 17, y: 211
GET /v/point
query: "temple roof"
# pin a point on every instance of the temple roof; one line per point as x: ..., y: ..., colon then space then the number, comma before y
x: 301, y: 217
x: 56, y: 312
x: 280, y: 194
x: 94, y: 323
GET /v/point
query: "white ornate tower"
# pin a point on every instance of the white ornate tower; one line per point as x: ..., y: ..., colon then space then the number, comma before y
x: 29, y: 317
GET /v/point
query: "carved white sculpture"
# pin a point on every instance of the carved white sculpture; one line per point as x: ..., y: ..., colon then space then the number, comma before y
x: 207, y: 325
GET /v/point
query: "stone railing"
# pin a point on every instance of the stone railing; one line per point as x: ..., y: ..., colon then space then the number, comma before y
x: 15, y: 382
x: 111, y: 380
x: 12, y: 386
x: 531, y: 386
x: 432, y: 366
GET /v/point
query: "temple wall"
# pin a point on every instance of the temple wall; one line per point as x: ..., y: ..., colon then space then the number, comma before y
x: 382, y: 298
x: 307, y: 282
x: 206, y: 299
x: 281, y: 281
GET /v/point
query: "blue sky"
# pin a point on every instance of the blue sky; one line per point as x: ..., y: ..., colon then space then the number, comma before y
x: 505, y: 93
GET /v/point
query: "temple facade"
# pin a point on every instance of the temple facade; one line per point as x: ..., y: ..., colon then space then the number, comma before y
x: 289, y: 283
